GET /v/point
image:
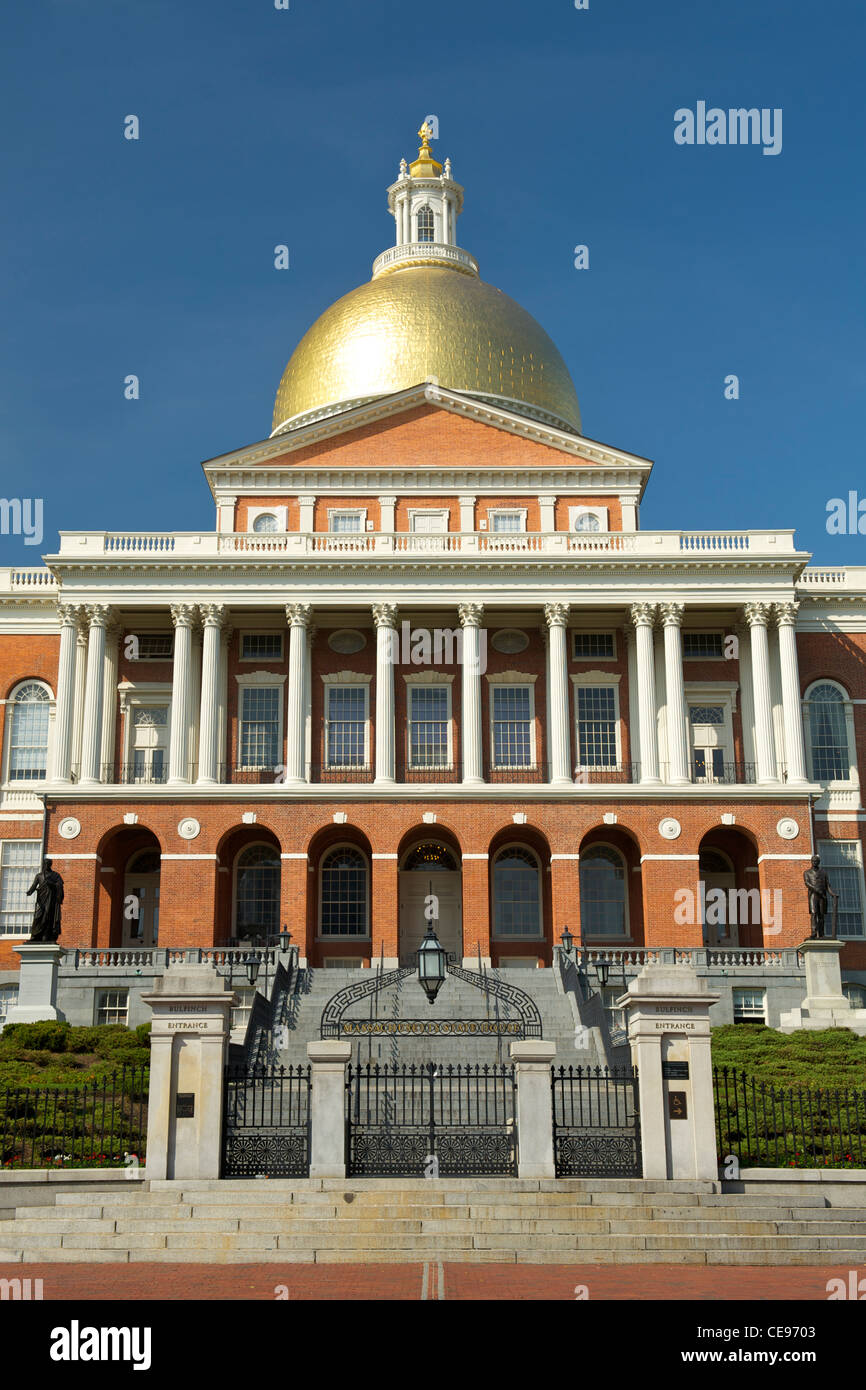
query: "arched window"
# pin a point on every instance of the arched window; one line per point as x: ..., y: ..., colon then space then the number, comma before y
x: 516, y: 893
x: 28, y: 737
x: 587, y: 521
x: 429, y: 857
x: 828, y: 733
x: 265, y: 522
x: 344, y: 893
x: 425, y: 224
x: 603, y: 897
x: 257, y: 892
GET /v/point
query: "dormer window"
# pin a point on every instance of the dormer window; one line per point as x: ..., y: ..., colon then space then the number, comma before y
x: 425, y: 224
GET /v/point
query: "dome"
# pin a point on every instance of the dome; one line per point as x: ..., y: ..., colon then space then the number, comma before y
x: 423, y: 323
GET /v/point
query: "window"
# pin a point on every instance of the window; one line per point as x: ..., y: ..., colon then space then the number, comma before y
x: 703, y: 645
x: 151, y: 646
x: 749, y: 1006
x: 587, y: 522
x: 429, y: 726
x: 855, y: 994
x: 265, y: 523
x: 596, y: 725
x: 259, y: 742
x: 243, y: 1008
x: 512, y: 726
x: 344, y: 893
x: 257, y: 892
x: 708, y: 727
x: 19, y: 865
x: 425, y: 224
x: 346, y: 726
x: 841, y: 859
x: 112, y: 1006
x: 28, y: 739
x: 428, y: 858
x: 343, y: 522
x: 262, y: 646
x: 603, y: 904
x: 594, y: 646
x: 149, y: 743
x: 8, y: 998
x: 828, y: 733
x: 516, y: 893
x: 587, y: 519
x: 616, y: 1020
x: 504, y: 521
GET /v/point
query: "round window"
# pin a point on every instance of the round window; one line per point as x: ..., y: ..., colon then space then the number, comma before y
x: 347, y: 640
x: 509, y: 640
x: 265, y: 521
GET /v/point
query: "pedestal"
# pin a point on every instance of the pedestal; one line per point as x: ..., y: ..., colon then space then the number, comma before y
x: 37, y: 984
x: 532, y: 1061
x: 328, y: 1059
x: 824, y: 1006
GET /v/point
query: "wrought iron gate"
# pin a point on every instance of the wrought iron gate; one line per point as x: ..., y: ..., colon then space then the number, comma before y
x: 596, y: 1122
x: 267, y: 1122
x: 431, y: 1121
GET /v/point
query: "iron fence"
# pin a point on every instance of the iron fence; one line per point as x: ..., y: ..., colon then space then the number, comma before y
x: 596, y: 1122
x: 267, y: 1122
x: 767, y: 1126
x: 99, y: 1124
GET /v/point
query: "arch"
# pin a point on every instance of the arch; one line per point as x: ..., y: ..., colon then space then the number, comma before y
x: 119, y: 921
x: 540, y: 945
x: 28, y: 727
x: 517, y: 898
x: 604, y: 892
x: 729, y: 891
x: 256, y: 891
x: 431, y: 834
x: 623, y: 840
x: 829, y: 734
x: 344, y: 894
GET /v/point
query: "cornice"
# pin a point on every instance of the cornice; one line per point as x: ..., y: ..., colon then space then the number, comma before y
x: 493, y: 478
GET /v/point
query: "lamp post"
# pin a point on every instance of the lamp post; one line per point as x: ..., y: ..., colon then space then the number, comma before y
x: 567, y: 941
x: 285, y: 938
x: 252, y: 965
x: 431, y: 964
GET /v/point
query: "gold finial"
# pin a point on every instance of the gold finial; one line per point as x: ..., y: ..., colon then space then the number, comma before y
x: 425, y: 166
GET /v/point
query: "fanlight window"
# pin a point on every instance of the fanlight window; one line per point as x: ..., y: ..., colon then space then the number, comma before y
x: 427, y: 858
x: 344, y: 893
x: 265, y: 522
x: 28, y: 741
x: 425, y: 224
x: 587, y: 521
x: 516, y: 893
x: 828, y: 734
x: 257, y: 892
x: 602, y: 892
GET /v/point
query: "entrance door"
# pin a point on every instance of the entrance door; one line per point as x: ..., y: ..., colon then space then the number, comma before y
x: 717, y: 872
x: 414, y: 889
x: 141, y: 900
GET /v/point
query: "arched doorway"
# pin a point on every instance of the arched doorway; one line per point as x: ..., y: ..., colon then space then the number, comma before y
x: 430, y: 867
x: 141, y: 899
x: 717, y: 878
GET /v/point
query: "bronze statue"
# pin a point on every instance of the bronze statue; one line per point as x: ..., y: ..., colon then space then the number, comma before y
x: 818, y: 884
x: 48, y: 887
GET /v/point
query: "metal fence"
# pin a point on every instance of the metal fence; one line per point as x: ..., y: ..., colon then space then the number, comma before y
x: 100, y: 1124
x: 596, y: 1122
x: 267, y: 1122
x: 766, y: 1126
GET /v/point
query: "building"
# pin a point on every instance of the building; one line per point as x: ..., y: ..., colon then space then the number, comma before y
x: 427, y: 638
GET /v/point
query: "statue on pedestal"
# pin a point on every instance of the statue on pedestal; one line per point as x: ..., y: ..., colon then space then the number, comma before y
x: 48, y: 887
x: 818, y: 885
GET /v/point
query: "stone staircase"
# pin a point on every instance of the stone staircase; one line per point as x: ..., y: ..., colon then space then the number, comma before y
x: 579, y: 1221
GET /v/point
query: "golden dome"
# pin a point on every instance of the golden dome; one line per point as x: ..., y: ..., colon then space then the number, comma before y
x: 423, y: 323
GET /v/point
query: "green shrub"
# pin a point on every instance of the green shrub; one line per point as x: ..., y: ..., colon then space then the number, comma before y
x: 48, y: 1036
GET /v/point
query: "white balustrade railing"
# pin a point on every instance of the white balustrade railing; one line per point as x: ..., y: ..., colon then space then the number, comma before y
x: 424, y: 251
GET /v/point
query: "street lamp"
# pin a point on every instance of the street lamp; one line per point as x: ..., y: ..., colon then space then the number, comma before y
x: 431, y: 964
x: 602, y: 970
x: 285, y: 938
x: 567, y: 941
x: 252, y: 964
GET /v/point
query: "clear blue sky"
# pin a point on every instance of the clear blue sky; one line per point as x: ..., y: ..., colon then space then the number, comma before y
x: 261, y: 126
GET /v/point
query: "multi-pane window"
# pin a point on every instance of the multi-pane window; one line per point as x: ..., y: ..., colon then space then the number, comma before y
x: 506, y: 521
x: 594, y: 646
x: 841, y: 859
x: 708, y: 645
x: 855, y: 994
x: 828, y: 734
x: 8, y: 997
x: 151, y: 646
x: 587, y: 521
x: 112, y: 1006
x: 425, y: 224
x: 603, y: 892
x: 346, y: 728
x: 596, y: 725
x: 749, y: 1006
x: 516, y: 893
x: 149, y: 738
x: 428, y: 725
x: 512, y: 725
x: 260, y: 726
x: 344, y: 893
x: 262, y: 646
x: 242, y: 1009
x: 346, y: 521
x: 28, y: 742
x: 709, y: 745
x: 257, y: 892
x: 19, y: 864
x: 265, y: 523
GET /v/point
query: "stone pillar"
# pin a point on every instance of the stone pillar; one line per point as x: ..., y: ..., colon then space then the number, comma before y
x: 386, y: 512
x: 825, y: 1006
x: 65, y: 706
x: 547, y: 513
x: 37, y: 984
x: 643, y: 617
x: 98, y: 616
x: 668, y: 1009
x: 532, y: 1062
x: 471, y: 615
x: 212, y: 616
x: 223, y: 705
x: 628, y: 633
x: 678, y: 770
x: 183, y: 617
x: 298, y: 615
x: 385, y: 618
x: 795, y: 752
x: 556, y: 617
x: 188, y: 1044
x: 109, y: 704
x: 80, y: 687
x: 328, y: 1061
x: 467, y: 512
x: 757, y: 616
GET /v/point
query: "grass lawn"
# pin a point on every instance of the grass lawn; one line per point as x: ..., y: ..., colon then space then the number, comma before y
x: 833, y: 1058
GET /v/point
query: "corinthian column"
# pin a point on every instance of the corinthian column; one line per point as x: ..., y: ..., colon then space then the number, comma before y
x: 470, y: 615
x: 643, y: 617
x: 212, y: 616
x: 183, y: 616
x: 758, y: 616
x: 98, y: 618
x: 556, y: 617
x: 298, y: 615
x: 672, y: 617
x: 109, y: 702
x: 65, y: 706
x: 385, y: 618
x: 795, y: 752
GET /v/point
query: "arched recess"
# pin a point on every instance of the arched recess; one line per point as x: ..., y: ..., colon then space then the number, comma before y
x: 611, y: 891
x: 247, y: 890
x: 339, y: 896
x: 519, y: 893
x: 430, y: 863
x: 729, y: 897
x: 129, y: 874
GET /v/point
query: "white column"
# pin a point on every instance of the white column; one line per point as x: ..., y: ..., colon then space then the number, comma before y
x: 183, y: 617
x: 534, y: 1116
x: 226, y: 513
x: 643, y: 617
x: 757, y: 616
x: 385, y: 618
x: 547, y: 508
x: 678, y: 769
x: 65, y: 705
x: 109, y: 704
x: 212, y: 616
x: 471, y: 615
x: 298, y: 615
x: 80, y: 684
x: 98, y: 617
x: 633, y: 720
x: 194, y: 702
x: 556, y: 617
x: 328, y: 1060
x: 386, y: 512
x: 223, y: 703
x: 306, y: 513
x: 795, y: 751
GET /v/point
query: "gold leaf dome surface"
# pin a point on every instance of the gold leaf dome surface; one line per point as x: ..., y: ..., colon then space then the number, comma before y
x: 419, y: 324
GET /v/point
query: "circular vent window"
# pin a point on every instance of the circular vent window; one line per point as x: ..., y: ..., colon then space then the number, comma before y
x: 510, y: 640
x: 346, y: 641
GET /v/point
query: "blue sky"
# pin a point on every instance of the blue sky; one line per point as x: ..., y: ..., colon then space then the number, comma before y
x: 261, y: 126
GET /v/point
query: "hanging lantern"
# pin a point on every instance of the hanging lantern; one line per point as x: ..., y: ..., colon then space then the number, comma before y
x: 431, y: 964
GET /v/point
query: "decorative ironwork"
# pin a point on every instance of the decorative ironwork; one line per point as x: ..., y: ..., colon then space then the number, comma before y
x: 332, y: 1015
x: 423, y: 1027
x: 510, y: 994
x: 431, y: 1121
x: 267, y: 1122
x: 768, y: 1126
x: 596, y: 1122
x: 528, y: 1025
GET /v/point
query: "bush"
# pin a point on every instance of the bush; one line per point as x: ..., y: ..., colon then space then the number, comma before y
x: 48, y: 1036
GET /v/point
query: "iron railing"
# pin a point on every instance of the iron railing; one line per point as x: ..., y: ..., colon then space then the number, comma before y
x: 267, y: 1122
x: 100, y: 1124
x: 596, y: 1122
x: 767, y: 1126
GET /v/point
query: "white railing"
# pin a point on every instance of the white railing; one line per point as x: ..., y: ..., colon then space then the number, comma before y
x: 15, y: 578
x: 815, y: 577
x: 424, y: 251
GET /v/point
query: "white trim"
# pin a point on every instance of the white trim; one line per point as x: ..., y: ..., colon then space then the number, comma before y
x: 475, y: 856
x: 564, y: 856
x: 347, y: 511
x: 696, y: 857
x: 300, y: 855
x: 191, y: 856
x: 414, y: 512
x: 428, y: 678
x: 824, y: 815
x: 52, y: 857
x: 381, y: 856
x: 438, y: 680
x: 336, y: 681
x: 762, y: 857
x: 597, y: 680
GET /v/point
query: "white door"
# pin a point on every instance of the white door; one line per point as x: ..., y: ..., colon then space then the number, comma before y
x: 710, y: 743
x: 414, y: 889
x: 718, y: 878
x: 432, y: 526
x: 141, y: 909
